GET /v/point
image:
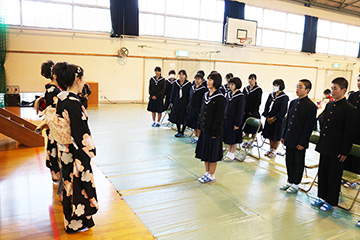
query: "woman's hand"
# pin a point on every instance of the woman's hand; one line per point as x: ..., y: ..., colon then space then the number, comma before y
x: 154, y: 97
x: 236, y: 128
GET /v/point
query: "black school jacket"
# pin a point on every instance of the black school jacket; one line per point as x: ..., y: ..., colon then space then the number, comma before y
x: 253, y: 100
x: 299, y: 122
x: 337, y: 130
x: 157, y: 87
x: 212, y: 114
x: 235, y: 107
x: 354, y: 99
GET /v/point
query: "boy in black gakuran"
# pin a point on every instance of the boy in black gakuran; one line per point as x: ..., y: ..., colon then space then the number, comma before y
x: 298, y: 126
x: 334, y: 145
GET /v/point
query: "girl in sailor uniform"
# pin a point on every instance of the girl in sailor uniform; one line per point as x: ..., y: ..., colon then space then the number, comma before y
x: 51, y: 91
x: 210, y: 145
x: 156, y: 100
x: 196, y: 95
x: 275, y: 110
x: 234, y: 112
x: 169, y: 83
x: 253, y: 95
x: 226, y: 87
x: 179, y: 101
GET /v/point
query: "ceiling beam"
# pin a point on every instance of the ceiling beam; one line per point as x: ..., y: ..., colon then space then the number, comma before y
x: 341, y: 4
x: 342, y: 10
x: 348, y: 4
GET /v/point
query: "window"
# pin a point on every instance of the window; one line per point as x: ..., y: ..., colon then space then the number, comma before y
x: 277, y: 29
x: 337, y: 38
x: 187, y: 19
x: 83, y: 15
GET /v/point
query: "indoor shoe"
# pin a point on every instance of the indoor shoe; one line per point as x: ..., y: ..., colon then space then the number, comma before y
x: 349, y: 185
x: 318, y: 202
x: 326, y: 207
x: 271, y: 155
x: 179, y: 135
x: 357, y: 224
x: 201, y: 177
x: 285, y: 187
x: 227, y: 159
x: 153, y: 124
x: 206, y: 179
x: 292, y: 190
x: 157, y: 125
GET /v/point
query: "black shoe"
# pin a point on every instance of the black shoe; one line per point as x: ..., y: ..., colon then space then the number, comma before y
x: 114, y: 35
x: 178, y: 135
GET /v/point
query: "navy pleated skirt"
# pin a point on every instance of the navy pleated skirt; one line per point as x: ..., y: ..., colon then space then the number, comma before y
x: 273, y: 131
x: 231, y: 136
x: 193, y: 118
x: 156, y: 105
x: 209, y: 149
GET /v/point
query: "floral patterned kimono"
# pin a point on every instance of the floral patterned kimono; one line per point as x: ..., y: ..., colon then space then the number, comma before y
x: 79, y: 195
x: 52, y: 160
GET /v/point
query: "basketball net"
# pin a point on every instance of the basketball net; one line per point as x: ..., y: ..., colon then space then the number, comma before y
x: 245, y: 41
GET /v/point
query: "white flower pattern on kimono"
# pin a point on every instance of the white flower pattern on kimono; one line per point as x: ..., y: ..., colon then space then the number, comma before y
x: 75, y: 224
x: 86, y: 176
x: 88, y: 144
x: 68, y: 186
x: 94, y: 203
x: 78, y: 167
x: 66, y: 158
x: 83, y: 192
x: 53, y: 153
x: 80, y: 209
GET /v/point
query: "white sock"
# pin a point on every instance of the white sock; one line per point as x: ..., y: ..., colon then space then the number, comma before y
x: 207, y: 173
x: 295, y: 186
x: 211, y: 176
x: 196, y: 138
x: 231, y: 155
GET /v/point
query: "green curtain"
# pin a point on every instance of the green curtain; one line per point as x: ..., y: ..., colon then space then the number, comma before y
x: 3, y: 48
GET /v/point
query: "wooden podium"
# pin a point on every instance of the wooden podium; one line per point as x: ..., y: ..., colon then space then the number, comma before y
x: 93, y: 100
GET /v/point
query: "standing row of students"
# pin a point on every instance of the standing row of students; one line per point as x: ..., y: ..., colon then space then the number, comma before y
x: 70, y: 163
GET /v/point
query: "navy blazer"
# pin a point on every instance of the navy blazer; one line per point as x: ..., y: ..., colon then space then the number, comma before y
x: 235, y: 107
x: 299, y: 122
x: 337, y: 129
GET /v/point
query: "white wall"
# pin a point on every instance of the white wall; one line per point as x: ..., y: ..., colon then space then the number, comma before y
x: 125, y: 80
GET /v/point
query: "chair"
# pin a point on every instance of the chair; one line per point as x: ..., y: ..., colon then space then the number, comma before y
x: 313, y: 139
x: 254, y: 122
x: 355, y: 151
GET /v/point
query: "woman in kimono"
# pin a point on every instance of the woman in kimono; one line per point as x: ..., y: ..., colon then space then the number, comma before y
x: 210, y: 145
x: 156, y: 92
x: 51, y: 90
x: 275, y: 110
x: 197, y: 92
x: 78, y: 195
x: 179, y: 101
x: 234, y: 112
x: 253, y: 95
x: 169, y: 83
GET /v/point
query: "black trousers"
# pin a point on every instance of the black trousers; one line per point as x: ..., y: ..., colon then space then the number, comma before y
x: 295, y: 162
x: 329, y: 179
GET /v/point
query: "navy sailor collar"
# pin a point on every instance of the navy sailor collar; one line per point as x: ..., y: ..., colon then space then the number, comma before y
x: 182, y: 85
x: 282, y: 94
x: 208, y: 98
x: 237, y: 94
x: 195, y: 89
x: 171, y: 82
x: 247, y: 89
x: 157, y: 80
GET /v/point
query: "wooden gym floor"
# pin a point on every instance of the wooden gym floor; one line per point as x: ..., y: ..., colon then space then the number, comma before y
x: 156, y: 175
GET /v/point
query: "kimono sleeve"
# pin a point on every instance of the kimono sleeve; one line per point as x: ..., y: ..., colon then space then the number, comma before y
x: 80, y: 131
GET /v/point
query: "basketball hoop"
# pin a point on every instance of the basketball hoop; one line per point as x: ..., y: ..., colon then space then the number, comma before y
x: 245, y: 41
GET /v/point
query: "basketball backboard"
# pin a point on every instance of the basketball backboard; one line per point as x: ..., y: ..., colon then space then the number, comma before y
x: 240, y: 32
